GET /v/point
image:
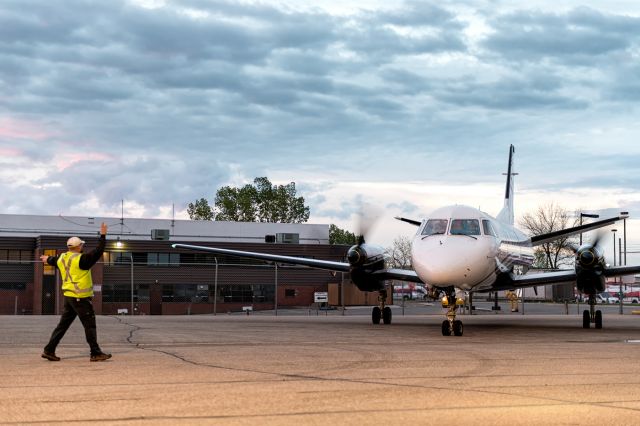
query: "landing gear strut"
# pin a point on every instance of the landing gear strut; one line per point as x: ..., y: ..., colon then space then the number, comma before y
x: 381, y: 311
x: 592, y: 315
x: 451, y: 324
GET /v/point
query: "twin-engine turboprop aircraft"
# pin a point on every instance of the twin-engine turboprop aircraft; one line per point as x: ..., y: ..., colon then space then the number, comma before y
x: 464, y: 249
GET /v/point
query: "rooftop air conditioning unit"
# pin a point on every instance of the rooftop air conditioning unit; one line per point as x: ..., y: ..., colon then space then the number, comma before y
x: 160, y: 234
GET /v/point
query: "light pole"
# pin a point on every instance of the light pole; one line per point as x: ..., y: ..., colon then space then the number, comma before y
x: 614, y: 246
x: 624, y: 234
x: 594, y: 216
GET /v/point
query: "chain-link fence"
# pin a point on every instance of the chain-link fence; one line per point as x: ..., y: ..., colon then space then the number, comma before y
x: 157, y: 286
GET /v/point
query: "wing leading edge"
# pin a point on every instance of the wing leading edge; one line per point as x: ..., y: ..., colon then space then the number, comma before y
x: 384, y: 274
x: 547, y: 238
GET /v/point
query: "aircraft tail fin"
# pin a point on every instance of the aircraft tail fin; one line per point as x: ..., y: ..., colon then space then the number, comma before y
x: 506, y: 215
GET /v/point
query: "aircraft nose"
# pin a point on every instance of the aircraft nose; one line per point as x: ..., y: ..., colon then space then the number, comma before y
x: 449, y: 260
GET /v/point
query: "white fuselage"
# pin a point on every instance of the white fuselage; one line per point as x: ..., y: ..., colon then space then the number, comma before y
x: 465, y: 248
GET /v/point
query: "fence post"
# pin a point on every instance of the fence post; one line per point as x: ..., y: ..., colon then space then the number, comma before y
x: 215, y: 289
x: 276, y: 292
x: 131, y: 257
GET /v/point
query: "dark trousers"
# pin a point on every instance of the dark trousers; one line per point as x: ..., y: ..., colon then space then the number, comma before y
x: 73, y: 308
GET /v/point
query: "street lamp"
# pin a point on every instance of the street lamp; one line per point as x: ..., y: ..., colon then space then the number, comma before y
x: 594, y: 216
x: 624, y: 235
x: 614, y: 246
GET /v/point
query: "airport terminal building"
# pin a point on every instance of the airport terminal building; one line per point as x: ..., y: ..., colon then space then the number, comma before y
x: 141, y: 271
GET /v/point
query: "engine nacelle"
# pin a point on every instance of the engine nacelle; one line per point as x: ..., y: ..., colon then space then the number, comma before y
x: 365, y: 259
x: 590, y: 266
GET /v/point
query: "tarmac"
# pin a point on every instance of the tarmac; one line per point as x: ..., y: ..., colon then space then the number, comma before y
x: 324, y: 369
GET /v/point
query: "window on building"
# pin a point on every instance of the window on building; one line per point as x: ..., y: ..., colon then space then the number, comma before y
x: 249, y: 293
x: 192, y: 293
x: 163, y: 259
x: 13, y: 286
x: 121, y: 292
x: 113, y: 293
x: 16, y: 256
x: 289, y: 292
x: 48, y: 269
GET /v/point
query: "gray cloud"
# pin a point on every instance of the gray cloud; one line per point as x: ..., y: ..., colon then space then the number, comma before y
x: 577, y: 37
x: 179, y: 104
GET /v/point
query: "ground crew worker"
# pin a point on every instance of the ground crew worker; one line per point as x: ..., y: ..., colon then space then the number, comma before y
x: 77, y: 287
x: 513, y: 299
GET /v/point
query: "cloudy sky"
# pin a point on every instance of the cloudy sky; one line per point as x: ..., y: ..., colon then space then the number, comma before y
x: 405, y: 106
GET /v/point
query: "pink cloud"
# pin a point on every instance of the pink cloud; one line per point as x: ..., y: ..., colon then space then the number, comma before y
x: 67, y: 160
x: 21, y: 129
x: 10, y: 152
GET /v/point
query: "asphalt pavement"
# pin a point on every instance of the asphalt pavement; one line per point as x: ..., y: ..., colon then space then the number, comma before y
x: 323, y: 368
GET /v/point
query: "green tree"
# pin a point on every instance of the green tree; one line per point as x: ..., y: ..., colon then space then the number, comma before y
x: 261, y: 202
x: 200, y: 210
x: 236, y: 204
x: 341, y: 236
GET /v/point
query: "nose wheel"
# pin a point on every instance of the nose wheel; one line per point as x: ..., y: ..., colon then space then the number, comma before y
x: 592, y: 316
x: 451, y: 325
x: 381, y: 311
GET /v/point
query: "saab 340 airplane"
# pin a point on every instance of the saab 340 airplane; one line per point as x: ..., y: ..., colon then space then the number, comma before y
x: 460, y: 248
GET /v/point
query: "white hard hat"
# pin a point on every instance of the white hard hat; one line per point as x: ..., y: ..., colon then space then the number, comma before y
x: 74, y: 242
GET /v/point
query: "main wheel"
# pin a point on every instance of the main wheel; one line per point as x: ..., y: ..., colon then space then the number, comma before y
x: 598, y: 319
x: 457, y: 328
x: 386, y: 315
x: 446, y: 329
x: 586, y: 319
x: 375, y: 315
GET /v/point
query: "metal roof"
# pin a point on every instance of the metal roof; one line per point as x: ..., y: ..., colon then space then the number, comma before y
x: 140, y: 229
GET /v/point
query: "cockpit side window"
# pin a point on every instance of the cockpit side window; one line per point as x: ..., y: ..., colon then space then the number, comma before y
x: 487, y: 228
x: 435, y: 226
x: 465, y: 227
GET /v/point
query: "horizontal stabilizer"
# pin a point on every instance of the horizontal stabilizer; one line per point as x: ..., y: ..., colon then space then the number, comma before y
x: 411, y: 221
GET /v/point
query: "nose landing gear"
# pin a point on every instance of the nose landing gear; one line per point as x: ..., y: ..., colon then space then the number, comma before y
x: 592, y: 315
x: 451, y: 324
x: 381, y: 311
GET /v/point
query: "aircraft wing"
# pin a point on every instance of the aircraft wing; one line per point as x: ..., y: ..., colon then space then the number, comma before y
x: 313, y: 263
x: 617, y: 271
x: 551, y: 236
x: 543, y: 278
x: 510, y: 281
x: 383, y: 274
x: 398, y: 274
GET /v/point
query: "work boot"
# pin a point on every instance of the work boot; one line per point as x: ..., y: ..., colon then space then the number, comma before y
x: 50, y: 356
x: 100, y: 357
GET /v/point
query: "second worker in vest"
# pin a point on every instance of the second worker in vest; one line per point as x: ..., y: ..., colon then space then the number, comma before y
x: 77, y: 287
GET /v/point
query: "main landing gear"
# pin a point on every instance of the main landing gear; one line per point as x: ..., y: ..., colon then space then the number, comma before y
x: 591, y: 315
x: 381, y: 311
x: 451, y: 324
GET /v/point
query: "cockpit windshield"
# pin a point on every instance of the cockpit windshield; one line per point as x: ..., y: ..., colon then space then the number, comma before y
x: 465, y: 227
x: 435, y: 226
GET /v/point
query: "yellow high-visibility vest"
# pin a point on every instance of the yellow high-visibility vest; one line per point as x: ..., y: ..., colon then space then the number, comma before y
x: 76, y: 282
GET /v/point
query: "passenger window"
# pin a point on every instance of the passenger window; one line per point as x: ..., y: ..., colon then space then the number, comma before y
x: 465, y: 227
x: 435, y: 226
x: 487, y: 228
